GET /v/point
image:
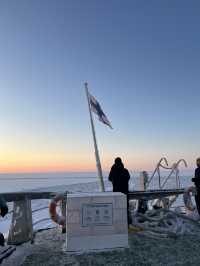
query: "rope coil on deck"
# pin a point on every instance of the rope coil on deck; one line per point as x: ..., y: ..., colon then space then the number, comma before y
x: 165, y: 223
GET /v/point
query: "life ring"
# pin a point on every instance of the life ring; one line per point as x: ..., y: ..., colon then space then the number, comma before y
x: 187, y: 198
x: 52, y: 210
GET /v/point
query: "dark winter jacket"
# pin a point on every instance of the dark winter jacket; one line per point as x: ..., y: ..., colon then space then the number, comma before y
x: 196, y: 179
x: 119, y: 176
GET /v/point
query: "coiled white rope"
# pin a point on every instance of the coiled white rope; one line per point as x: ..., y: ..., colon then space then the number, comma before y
x: 165, y: 223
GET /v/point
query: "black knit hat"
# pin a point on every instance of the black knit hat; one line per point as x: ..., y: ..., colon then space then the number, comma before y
x: 118, y: 160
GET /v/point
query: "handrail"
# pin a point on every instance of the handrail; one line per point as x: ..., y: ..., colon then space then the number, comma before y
x: 40, y: 209
x: 156, y: 169
x: 18, y: 196
x: 34, y: 211
x: 164, y: 167
x: 165, y: 181
x: 182, y: 160
x: 154, y: 194
x: 174, y: 169
x: 22, y: 204
x: 42, y: 220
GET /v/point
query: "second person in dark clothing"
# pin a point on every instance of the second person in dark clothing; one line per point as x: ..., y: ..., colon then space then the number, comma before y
x: 196, y: 181
x: 119, y: 176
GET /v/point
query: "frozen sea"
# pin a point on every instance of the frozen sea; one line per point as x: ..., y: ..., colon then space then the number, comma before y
x: 60, y: 182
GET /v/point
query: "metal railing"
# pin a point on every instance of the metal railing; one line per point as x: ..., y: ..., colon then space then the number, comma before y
x: 174, y: 169
x: 22, y: 213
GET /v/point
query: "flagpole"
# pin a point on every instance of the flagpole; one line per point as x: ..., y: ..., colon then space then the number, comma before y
x: 98, y: 162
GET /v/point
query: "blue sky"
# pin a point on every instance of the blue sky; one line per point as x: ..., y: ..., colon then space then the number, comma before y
x: 141, y: 60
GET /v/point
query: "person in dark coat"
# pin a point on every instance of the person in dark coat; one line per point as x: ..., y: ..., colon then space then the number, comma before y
x: 119, y: 176
x: 196, y: 181
x: 3, y: 212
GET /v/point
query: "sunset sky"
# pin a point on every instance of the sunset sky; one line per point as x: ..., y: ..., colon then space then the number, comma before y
x: 141, y: 60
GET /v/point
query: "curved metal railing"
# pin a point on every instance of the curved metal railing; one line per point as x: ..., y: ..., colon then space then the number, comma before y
x: 174, y: 169
x: 157, y: 170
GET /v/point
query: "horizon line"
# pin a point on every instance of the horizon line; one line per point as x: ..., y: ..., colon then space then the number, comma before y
x: 74, y: 172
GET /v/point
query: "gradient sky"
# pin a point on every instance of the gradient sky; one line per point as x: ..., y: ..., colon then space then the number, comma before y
x: 141, y: 60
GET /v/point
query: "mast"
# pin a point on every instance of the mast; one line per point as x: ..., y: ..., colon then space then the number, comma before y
x: 97, y: 157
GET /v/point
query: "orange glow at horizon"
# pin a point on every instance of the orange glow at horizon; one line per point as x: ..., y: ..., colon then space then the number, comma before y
x: 35, y: 163
x: 42, y: 165
x: 45, y: 168
x: 51, y: 166
x: 73, y: 162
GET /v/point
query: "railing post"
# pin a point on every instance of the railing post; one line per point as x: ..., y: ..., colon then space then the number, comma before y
x: 63, y: 211
x: 159, y: 178
x: 21, y: 229
x: 177, y: 179
x: 142, y: 203
x: 143, y: 180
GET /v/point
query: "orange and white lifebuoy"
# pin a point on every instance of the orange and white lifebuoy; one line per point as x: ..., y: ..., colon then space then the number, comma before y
x: 52, y: 210
x: 187, y: 198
